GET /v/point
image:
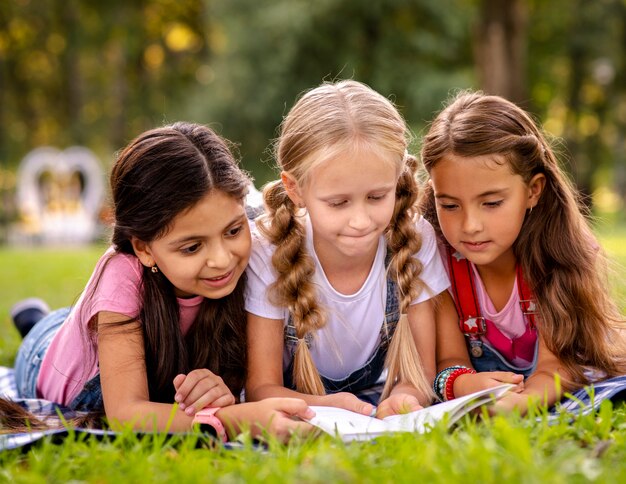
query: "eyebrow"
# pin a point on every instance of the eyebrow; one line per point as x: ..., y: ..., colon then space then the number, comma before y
x: 381, y: 188
x: 182, y: 240
x: 481, y: 195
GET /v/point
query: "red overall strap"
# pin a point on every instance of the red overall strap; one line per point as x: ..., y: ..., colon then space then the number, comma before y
x: 464, y: 292
x: 526, y: 300
x: 465, y: 298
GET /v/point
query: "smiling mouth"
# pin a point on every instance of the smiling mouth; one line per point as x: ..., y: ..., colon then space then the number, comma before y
x: 476, y: 245
x: 219, y: 278
x: 219, y: 281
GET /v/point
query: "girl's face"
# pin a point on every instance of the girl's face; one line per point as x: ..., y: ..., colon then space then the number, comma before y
x: 206, y: 250
x: 481, y: 206
x: 350, y: 201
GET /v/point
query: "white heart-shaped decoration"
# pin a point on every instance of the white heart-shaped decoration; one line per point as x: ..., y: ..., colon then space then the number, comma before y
x: 59, y: 194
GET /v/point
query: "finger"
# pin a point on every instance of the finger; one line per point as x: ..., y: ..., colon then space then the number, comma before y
x: 359, y: 406
x: 293, y: 406
x: 223, y: 400
x: 383, y: 411
x: 506, y: 376
x: 290, y: 428
x: 178, y: 380
x: 409, y: 404
x: 198, y: 381
x: 201, y: 397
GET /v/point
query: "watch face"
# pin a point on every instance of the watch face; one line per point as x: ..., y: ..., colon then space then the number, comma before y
x: 208, y: 429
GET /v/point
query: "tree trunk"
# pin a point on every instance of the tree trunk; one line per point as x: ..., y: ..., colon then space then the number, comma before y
x: 500, y: 48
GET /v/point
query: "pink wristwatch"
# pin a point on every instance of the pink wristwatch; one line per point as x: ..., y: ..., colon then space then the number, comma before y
x: 206, y: 416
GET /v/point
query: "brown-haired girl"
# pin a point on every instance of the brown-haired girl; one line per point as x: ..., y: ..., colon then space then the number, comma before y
x: 343, y: 269
x: 162, y: 318
x: 528, y: 281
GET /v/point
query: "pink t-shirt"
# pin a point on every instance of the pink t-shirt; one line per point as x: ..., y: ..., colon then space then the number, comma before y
x: 70, y: 360
x: 510, y: 320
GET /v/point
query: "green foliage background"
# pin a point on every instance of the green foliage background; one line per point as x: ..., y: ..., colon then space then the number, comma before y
x: 98, y: 73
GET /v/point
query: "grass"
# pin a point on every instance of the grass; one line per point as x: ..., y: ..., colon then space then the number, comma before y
x: 500, y: 449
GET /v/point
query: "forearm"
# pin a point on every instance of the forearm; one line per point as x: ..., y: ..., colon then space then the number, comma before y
x: 453, y: 361
x: 150, y: 416
x: 270, y: 390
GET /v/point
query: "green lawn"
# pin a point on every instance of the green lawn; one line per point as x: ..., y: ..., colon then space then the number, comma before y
x: 502, y: 449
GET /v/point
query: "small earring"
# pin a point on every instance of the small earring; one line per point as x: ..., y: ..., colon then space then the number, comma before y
x: 530, y: 211
x: 155, y: 269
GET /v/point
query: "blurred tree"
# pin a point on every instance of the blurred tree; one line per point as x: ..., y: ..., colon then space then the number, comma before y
x: 501, y: 47
x: 577, y: 83
x: 414, y: 50
x: 98, y: 73
x: 91, y: 72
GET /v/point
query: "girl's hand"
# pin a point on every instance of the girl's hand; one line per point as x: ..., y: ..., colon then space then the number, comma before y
x: 473, y: 382
x: 280, y: 417
x: 347, y: 401
x: 397, y: 403
x: 201, y: 388
x: 512, y: 401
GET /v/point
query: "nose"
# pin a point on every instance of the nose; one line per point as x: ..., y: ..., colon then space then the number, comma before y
x: 472, y: 222
x: 359, y: 218
x: 219, y: 256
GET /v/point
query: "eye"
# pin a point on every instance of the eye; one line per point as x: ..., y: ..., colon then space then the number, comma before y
x: 235, y: 231
x: 190, y: 249
x: 337, y: 203
x: 494, y: 204
x: 447, y: 206
x: 376, y: 198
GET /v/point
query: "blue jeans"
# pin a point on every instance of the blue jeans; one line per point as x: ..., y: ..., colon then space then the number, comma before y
x: 29, y: 358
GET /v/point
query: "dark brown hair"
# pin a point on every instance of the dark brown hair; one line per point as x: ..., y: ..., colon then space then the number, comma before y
x: 559, y: 254
x: 159, y: 175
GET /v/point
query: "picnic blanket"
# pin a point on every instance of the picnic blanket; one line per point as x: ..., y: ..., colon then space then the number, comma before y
x: 54, y: 414
x: 582, y: 402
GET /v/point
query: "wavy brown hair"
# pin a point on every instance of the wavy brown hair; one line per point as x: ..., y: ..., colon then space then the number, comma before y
x: 557, y: 250
x: 159, y: 175
x: 328, y: 120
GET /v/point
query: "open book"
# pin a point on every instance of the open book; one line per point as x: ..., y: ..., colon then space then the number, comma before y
x: 353, y: 426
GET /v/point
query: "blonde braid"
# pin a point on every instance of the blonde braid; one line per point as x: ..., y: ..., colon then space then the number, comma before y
x: 403, y: 240
x: 293, y: 288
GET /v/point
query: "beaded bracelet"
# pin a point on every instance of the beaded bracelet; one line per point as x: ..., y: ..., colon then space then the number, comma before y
x: 439, y: 384
x: 449, y: 385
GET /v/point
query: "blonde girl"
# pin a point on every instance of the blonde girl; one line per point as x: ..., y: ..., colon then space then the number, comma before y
x: 343, y: 269
x: 527, y: 273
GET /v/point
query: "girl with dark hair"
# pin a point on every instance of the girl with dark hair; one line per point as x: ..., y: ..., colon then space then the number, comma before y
x: 529, y: 288
x: 162, y: 318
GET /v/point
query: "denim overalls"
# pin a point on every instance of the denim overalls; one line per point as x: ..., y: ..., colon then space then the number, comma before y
x: 29, y: 358
x: 361, y: 382
x: 492, y: 360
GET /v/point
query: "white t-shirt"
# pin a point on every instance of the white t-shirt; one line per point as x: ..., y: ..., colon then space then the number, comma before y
x: 354, y: 321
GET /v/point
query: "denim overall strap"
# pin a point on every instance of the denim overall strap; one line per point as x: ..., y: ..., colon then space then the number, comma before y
x: 90, y: 397
x: 370, y: 372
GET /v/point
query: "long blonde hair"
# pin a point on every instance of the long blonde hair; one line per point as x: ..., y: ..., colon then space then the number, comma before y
x: 325, y: 121
x: 558, y: 252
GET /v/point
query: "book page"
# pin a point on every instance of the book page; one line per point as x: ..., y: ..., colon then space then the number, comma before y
x: 353, y: 426
x: 346, y: 424
x: 455, y: 409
